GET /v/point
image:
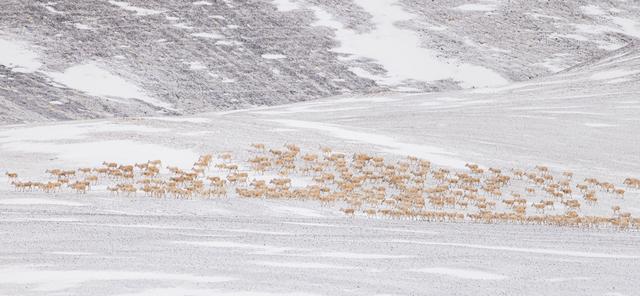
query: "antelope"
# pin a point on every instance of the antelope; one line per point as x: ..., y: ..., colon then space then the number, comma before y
x: 407, y: 188
x: 53, y: 172
x: 225, y: 156
x: 509, y: 202
x: 12, y: 176
x: 471, y: 166
x: 91, y: 179
x: 583, y: 187
x: 51, y: 186
x: 572, y: 204
x: 543, y: 169
x: 632, y: 182
x: 128, y: 189
x: 616, y: 210
x: 370, y: 212
x: 549, y: 203
x: 519, y: 174
x: 495, y: 171
x: 142, y: 166
x: 348, y: 211
x: 539, y: 206
x: 259, y: 147
x: 110, y: 164
x: 568, y: 174
x: 608, y: 187
x: 85, y: 170
x: 591, y: 198
x: 22, y: 186
x: 80, y: 187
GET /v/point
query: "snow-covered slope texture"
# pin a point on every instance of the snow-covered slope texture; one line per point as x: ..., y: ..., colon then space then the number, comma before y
x: 102, y: 58
x: 583, y: 119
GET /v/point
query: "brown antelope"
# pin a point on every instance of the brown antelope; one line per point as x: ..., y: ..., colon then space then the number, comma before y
x: 495, y: 171
x: 572, y: 204
x: 632, y: 182
x: 549, y: 204
x: 110, y: 164
x: 608, y: 187
x: 616, y: 210
x: 409, y: 188
x: 85, y: 170
x: 590, y: 197
x: 12, y: 176
x: 539, y: 206
x: 80, y: 186
x: 348, y: 211
x: 509, y: 202
x: 541, y: 168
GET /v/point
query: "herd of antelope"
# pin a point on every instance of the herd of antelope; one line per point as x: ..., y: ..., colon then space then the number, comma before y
x: 362, y: 184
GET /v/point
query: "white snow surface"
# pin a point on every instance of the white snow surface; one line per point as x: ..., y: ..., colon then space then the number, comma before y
x: 233, y: 245
x: 58, y: 280
x: 437, y: 155
x: 181, y: 119
x: 611, y: 74
x: 592, y: 10
x: 82, y: 26
x: 197, y: 66
x: 629, y: 27
x: 69, y: 131
x: 184, y: 291
x: 39, y: 201
x: 73, y: 244
x: 399, y: 51
x: 250, y: 251
x: 286, y: 5
x: 476, y: 7
x: 92, y: 153
x: 302, y: 265
x: 96, y: 81
x: 273, y: 56
x: 208, y: 35
x: 528, y: 250
x: 17, y: 56
x: 462, y: 273
x: 138, y: 10
x: 352, y: 255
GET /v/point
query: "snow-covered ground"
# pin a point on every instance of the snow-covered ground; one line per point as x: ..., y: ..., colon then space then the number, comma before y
x: 142, y: 246
x: 583, y: 119
x: 580, y: 120
x: 569, y: 101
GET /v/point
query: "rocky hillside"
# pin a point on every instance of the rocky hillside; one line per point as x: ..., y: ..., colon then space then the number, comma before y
x: 103, y: 58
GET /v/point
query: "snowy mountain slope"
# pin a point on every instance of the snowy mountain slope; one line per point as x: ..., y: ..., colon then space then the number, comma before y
x: 583, y: 119
x: 167, y: 57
